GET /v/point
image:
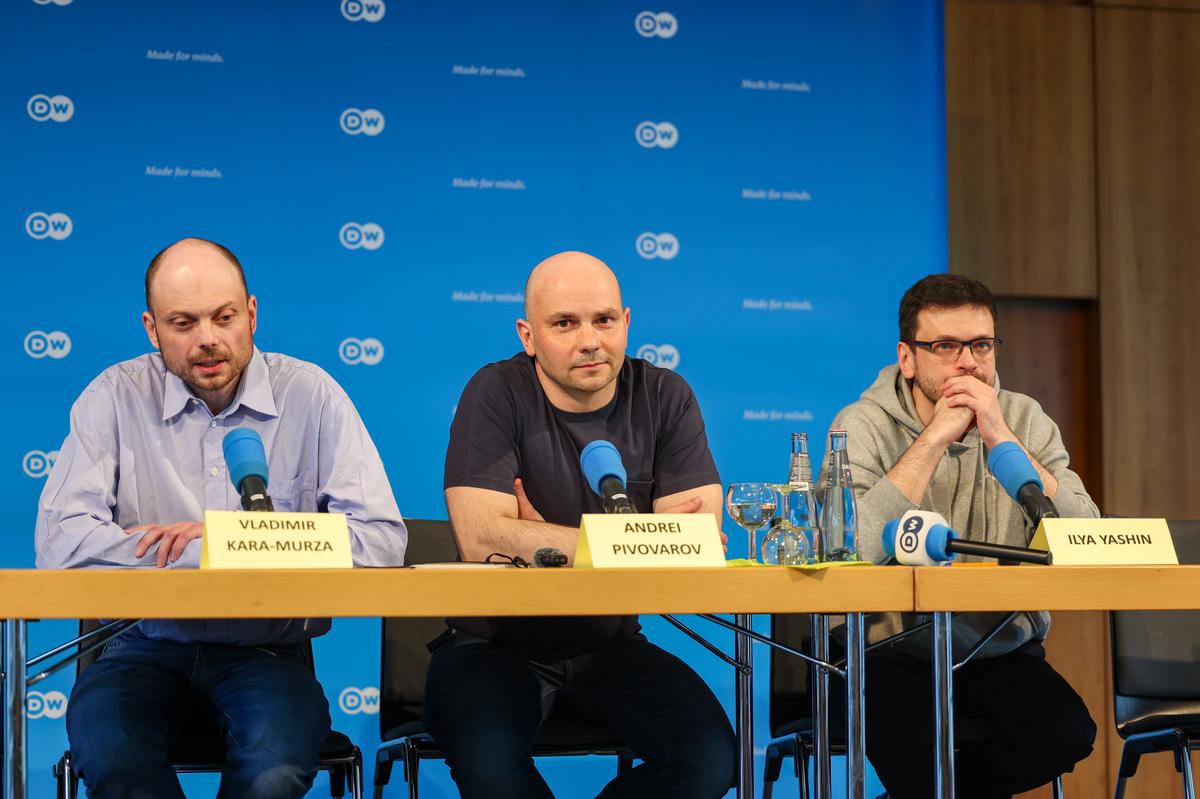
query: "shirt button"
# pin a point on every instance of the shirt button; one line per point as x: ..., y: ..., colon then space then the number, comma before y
x: 214, y: 471
x: 213, y: 423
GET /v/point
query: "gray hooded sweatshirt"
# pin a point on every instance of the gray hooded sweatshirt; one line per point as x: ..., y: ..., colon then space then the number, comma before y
x: 880, y: 427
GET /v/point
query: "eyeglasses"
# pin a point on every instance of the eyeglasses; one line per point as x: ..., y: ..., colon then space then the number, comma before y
x: 949, y: 349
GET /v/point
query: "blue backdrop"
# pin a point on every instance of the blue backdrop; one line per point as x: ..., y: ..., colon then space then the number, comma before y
x: 766, y: 178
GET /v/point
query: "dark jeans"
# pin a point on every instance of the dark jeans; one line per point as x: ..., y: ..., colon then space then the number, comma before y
x: 131, y: 706
x: 483, y: 704
x: 1036, y: 726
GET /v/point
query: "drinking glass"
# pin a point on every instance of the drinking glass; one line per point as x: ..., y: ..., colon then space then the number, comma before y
x: 751, y: 505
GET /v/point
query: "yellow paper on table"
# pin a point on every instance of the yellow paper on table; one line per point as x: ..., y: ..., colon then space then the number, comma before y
x: 648, y: 540
x: 1106, y: 542
x: 243, y: 540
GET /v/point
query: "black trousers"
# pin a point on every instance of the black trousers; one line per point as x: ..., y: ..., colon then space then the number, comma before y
x: 483, y: 704
x: 1033, y: 724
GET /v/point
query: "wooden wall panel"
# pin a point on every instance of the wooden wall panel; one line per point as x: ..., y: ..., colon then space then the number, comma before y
x: 1051, y: 352
x: 1019, y: 145
x: 1148, y: 135
x: 1168, y: 5
x: 1149, y: 179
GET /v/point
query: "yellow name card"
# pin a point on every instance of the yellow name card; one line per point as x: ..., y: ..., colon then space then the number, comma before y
x: 608, y: 540
x: 241, y: 540
x: 1106, y: 542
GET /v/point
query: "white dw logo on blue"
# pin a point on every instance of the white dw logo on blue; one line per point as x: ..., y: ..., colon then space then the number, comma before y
x: 362, y: 120
x: 657, y: 134
x: 368, y: 236
x: 657, y: 245
x: 57, y: 226
x: 665, y: 356
x: 58, y: 108
x: 363, y: 10
x: 359, y: 700
x: 55, y: 344
x: 662, y: 25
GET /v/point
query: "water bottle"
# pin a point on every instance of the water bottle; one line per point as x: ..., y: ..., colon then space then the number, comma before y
x: 839, y: 511
x: 788, y: 543
x: 803, y: 505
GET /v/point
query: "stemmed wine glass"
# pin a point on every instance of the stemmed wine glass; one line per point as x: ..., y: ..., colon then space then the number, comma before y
x: 751, y: 505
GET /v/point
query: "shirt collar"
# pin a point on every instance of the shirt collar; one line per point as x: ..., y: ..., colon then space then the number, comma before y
x: 254, y: 391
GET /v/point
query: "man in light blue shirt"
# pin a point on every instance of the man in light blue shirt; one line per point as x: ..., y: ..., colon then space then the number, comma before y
x: 141, y: 464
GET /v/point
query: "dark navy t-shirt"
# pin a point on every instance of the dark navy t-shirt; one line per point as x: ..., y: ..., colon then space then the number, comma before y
x: 505, y: 427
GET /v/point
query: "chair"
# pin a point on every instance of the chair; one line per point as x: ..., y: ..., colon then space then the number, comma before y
x: 1156, y: 680
x: 790, y: 709
x: 404, y: 662
x: 204, y: 752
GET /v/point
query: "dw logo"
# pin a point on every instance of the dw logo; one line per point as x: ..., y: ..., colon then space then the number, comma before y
x: 663, y: 24
x: 662, y: 355
x: 367, y: 351
x: 362, y: 120
x: 55, y: 344
x: 365, y: 10
x: 368, y: 236
x: 359, y: 700
x: 657, y: 134
x: 910, y: 541
x: 50, y: 705
x: 657, y: 245
x: 57, y: 226
x: 58, y: 108
x: 37, y: 463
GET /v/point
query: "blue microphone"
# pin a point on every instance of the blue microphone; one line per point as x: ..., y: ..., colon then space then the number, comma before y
x: 605, y: 474
x: 246, y: 460
x: 1020, y: 480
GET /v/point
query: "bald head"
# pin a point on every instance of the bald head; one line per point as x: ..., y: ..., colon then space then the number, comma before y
x: 195, y: 256
x: 568, y: 274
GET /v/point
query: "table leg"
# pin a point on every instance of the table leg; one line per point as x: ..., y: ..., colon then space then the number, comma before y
x: 856, y: 735
x: 822, y: 753
x: 943, y: 705
x: 744, y: 709
x: 14, y: 709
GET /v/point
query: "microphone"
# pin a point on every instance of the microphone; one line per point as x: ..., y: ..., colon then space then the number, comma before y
x: 922, y: 538
x: 247, y: 463
x: 604, y: 472
x: 549, y: 558
x: 1020, y: 480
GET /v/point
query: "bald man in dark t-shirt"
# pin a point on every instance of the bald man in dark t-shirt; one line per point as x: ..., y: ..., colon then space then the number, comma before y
x: 513, y: 485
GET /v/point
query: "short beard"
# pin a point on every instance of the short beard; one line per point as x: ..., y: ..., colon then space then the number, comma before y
x: 236, y: 367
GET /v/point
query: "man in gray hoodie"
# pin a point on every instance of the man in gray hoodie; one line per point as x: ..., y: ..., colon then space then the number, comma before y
x: 918, y: 439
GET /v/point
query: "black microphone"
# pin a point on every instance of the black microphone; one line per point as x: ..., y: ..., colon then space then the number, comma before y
x: 922, y: 538
x: 602, y: 467
x: 246, y: 460
x: 549, y: 558
x: 1020, y: 480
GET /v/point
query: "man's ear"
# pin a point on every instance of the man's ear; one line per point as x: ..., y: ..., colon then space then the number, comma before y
x: 151, y: 329
x: 907, y: 359
x: 252, y: 309
x: 525, y: 333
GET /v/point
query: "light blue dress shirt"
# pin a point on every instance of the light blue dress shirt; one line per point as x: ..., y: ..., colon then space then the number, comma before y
x: 144, y: 450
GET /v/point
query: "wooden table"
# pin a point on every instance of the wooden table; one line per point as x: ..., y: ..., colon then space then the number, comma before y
x: 988, y: 587
x: 427, y: 592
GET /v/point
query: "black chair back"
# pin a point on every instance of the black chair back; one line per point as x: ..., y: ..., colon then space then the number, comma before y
x: 790, y: 702
x: 404, y: 658
x: 1154, y: 656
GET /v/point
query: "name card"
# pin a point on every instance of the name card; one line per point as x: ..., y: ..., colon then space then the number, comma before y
x: 608, y: 540
x: 1106, y: 542
x: 240, y: 540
